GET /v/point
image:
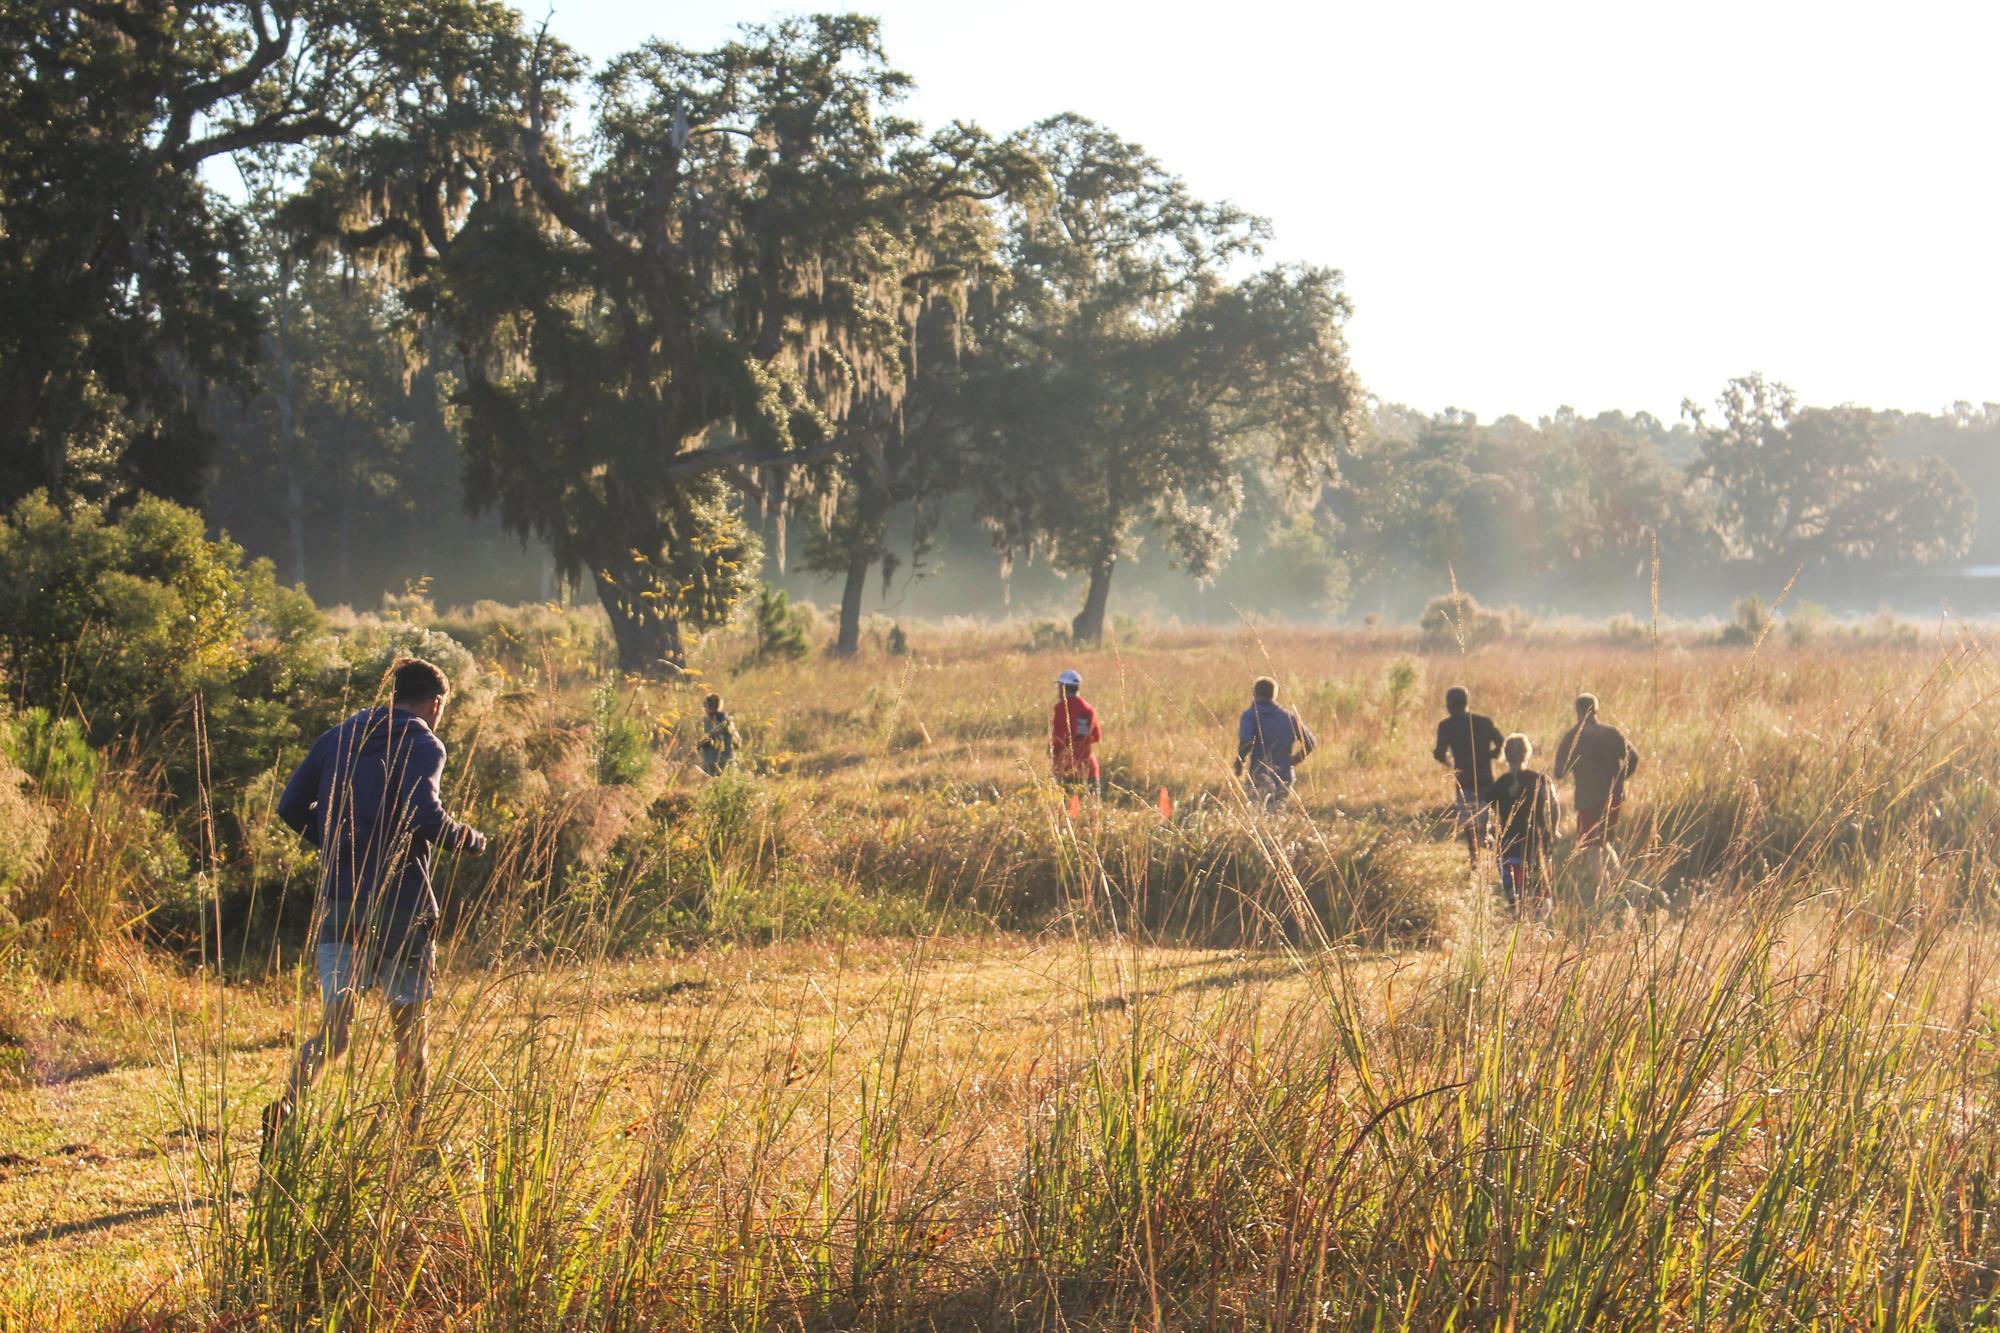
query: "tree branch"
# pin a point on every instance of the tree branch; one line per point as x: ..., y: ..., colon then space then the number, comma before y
x: 702, y: 461
x: 272, y: 43
x: 259, y: 134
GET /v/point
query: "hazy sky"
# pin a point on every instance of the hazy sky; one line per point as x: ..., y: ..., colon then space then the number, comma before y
x: 1601, y: 205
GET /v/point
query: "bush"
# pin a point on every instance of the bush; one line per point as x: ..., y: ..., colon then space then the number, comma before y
x: 118, y: 618
x: 1807, y: 623
x: 1753, y: 621
x: 24, y: 824
x: 623, y: 754
x: 1627, y: 631
x: 1460, y: 621
x: 52, y: 752
x: 1046, y: 636
x: 781, y: 631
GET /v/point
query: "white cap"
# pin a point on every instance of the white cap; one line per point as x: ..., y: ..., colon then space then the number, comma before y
x: 1069, y: 678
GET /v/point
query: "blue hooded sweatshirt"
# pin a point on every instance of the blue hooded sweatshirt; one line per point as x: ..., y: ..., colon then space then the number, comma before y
x: 366, y: 795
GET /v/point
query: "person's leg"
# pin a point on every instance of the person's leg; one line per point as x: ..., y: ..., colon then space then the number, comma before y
x: 1590, y: 845
x: 1614, y: 870
x: 407, y: 986
x: 328, y: 1043
x: 412, y: 1027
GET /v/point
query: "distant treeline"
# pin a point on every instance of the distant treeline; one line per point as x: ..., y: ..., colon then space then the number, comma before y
x: 471, y: 311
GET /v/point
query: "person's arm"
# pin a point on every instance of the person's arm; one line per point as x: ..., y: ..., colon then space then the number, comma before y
x: 1441, y: 751
x: 426, y: 807
x: 1495, y: 742
x: 1565, y: 752
x: 1549, y: 809
x: 1058, y: 731
x: 1246, y: 737
x: 1307, y: 741
x: 296, y: 806
x: 1631, y: 760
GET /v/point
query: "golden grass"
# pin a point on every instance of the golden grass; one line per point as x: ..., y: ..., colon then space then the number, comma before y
x: 1769, y: 1105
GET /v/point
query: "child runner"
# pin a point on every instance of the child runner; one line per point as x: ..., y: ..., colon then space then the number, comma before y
x: 1525, y: 802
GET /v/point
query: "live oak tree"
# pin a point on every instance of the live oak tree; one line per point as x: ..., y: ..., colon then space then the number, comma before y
x: 119, y: 299
x: 1815, y: 486
x: 911, y: 451
x: 1125, y: 373
x: 696, y: 297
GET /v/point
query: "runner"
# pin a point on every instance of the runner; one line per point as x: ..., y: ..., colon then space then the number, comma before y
x: 1469, y: 743
x: 366, y: 795
x: 718, y: 736
x: 1272, y: 741
x: 1597, y: 759
x: 1074, y: 735
x: 1527, y: 805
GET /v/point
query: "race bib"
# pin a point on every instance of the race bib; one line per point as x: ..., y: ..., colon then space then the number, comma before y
x: 1083, y: 729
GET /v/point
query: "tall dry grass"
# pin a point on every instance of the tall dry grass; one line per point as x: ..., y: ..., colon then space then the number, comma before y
x: 1753, y: 1089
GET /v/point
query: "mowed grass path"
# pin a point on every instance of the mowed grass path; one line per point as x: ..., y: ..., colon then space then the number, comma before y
x: 95, y: 1215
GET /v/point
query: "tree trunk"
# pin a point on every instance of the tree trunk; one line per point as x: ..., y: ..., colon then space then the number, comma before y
x: 649, y: 641
x: 295, y: 521
x: 344, y: 561
x: 1088, y: 627
x: 295, y: 490
x: 849, y: 642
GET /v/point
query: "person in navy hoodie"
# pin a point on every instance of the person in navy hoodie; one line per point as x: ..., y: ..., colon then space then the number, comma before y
x: 1271, y: 741
x: 366, y: 795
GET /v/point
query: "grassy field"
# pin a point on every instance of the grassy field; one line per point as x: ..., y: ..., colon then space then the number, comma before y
x: 878, y: 1032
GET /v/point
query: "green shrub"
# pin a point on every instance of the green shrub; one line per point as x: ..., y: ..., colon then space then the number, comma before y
x: 118, y: 617
x: 781, y: 631
x: 1753, y: 621
x: 375, y: 650
x: 1627, y: 631
x: 24, y: 825
x: 623, y: 755
x: 52, y: 752
x: 1806, y: 623
x: 1459, y: 621
x: 1046, y: 636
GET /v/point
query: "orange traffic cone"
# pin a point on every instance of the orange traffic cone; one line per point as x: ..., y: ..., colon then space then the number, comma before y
x: 1075, y: 806
x: 1166, y: 806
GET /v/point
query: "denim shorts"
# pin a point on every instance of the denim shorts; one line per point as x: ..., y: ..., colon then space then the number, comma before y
x: 397, y: 963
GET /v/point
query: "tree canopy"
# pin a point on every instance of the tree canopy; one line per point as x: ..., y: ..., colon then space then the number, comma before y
x: 121, y: 299
x: 1124, y: 371
x: 645, y: 316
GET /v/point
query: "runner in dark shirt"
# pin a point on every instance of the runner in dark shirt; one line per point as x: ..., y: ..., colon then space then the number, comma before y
x: 1526, y: 804
x: 1597, y: 759
x: 1469, y: 742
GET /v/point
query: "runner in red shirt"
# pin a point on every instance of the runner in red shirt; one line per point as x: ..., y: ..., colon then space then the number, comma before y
x: 1074, y: 734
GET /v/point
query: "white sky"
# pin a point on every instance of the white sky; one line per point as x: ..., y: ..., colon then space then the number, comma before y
x: 1536, y: 204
